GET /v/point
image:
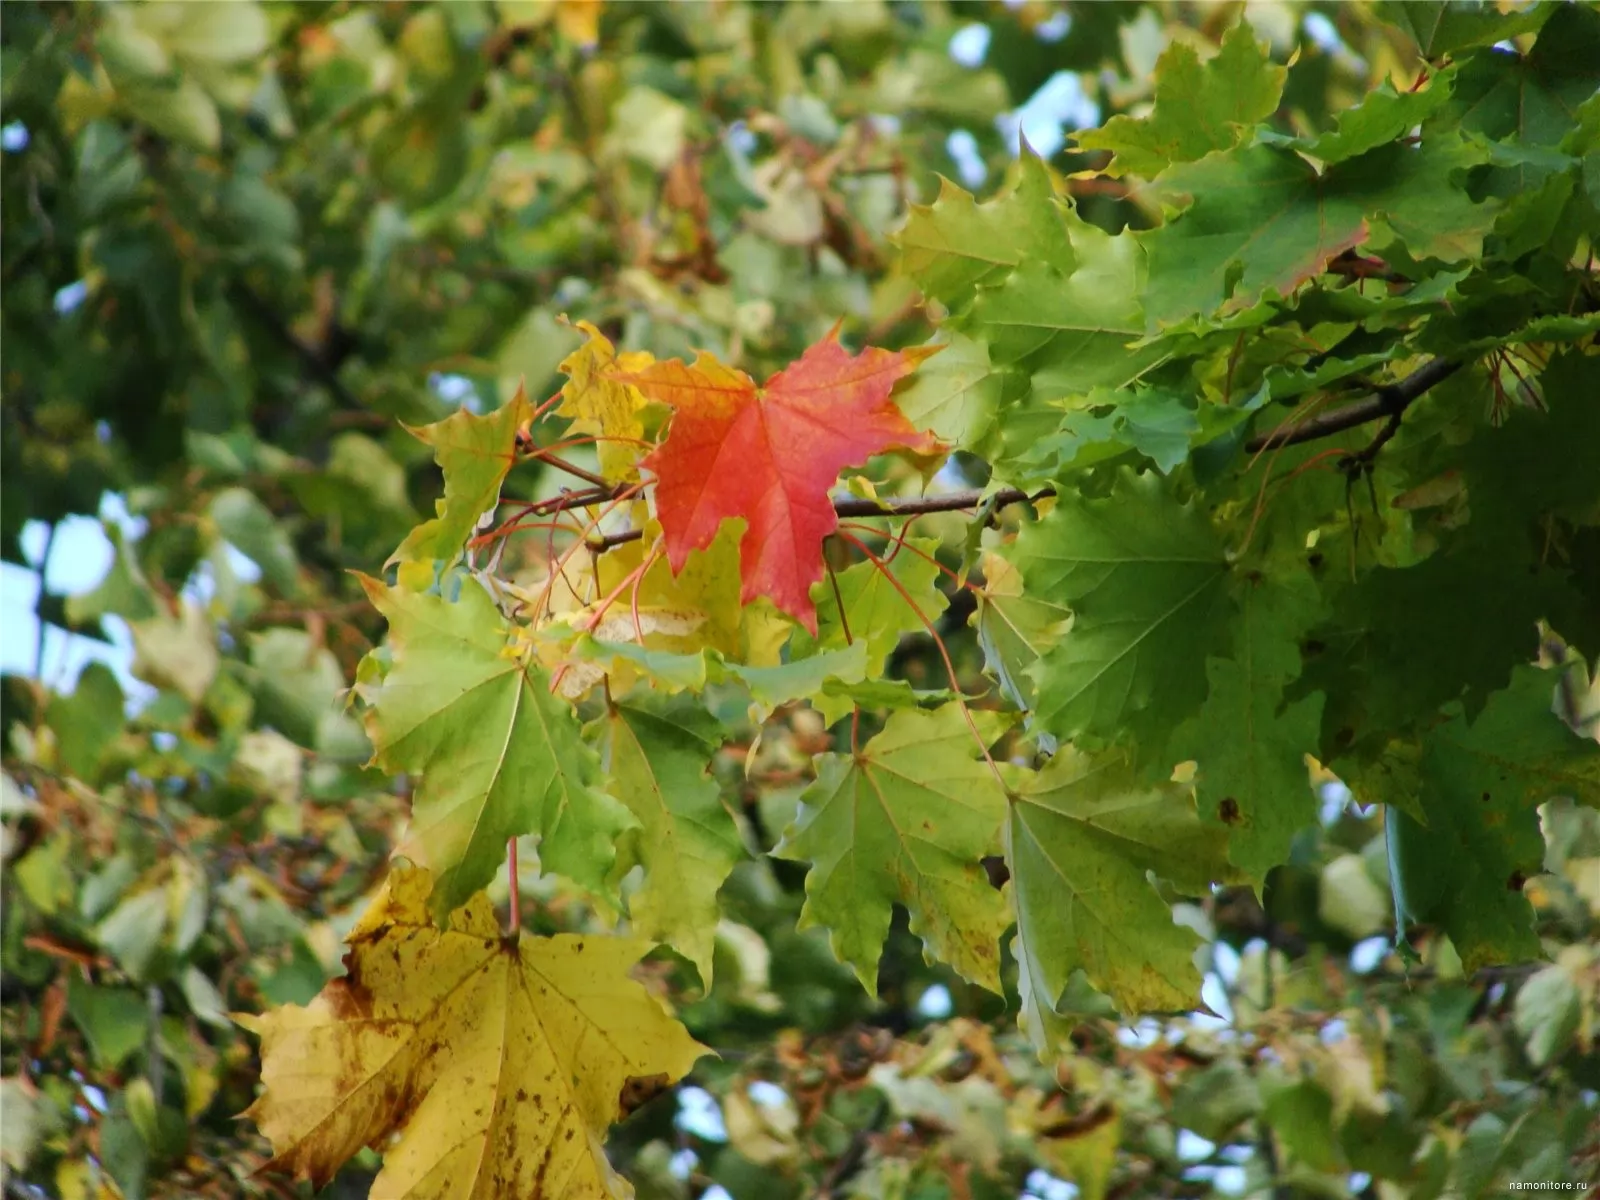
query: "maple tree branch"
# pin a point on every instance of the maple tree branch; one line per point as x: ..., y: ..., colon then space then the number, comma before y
x: 856, y: 507
x: 1387, y: 400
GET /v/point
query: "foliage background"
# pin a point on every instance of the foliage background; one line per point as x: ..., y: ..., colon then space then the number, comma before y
x: 243, y: 242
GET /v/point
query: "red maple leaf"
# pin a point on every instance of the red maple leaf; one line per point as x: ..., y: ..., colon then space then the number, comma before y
x: 771, y: 455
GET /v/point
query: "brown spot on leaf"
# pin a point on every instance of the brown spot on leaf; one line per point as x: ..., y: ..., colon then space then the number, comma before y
x: 1515, y: 881
x: 348, y: 999
x: 1228, y: 811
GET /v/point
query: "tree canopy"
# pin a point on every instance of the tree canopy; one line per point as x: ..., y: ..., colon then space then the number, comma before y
x: 940, y: 600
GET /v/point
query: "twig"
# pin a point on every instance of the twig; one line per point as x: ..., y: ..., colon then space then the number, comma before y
x: 1388, y: 400
x: 949, y: 502
x: 848, y: 1163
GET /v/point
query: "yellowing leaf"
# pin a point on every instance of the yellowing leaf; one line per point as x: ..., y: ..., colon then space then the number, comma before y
x: 603, y: 405
x: 707, y: 584
x: 476, y: 454
x: 483, y: 1066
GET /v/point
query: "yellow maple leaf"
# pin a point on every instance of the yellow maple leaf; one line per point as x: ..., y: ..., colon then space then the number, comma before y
x: 603, y: 406
x: 708, y: 584
x: 480, y: 1065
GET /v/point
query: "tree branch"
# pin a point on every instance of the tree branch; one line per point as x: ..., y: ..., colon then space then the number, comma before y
x: 854, y: 507
x: 1389, y: 400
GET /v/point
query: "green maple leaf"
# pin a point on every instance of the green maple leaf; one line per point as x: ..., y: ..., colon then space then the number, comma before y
x: 476, y: 454
x: 881, y: 693
x: 1080, y: 837
x: 954, y: 244
x: 1071, y: 332
x: 1408, y: 190
x: 1263, y: 221
x: 1252, y: 755
x: 800, y: 679
x: 955, y: 394
x: 1382, y: 116
x: 907, y: 820
x: 1524, y: 104
x: 1015, y: 626
x: 1144, y: 576
x: 657, y: 752
x: 1529, y: 99
x: 87, y: 721
x: 1481, y: 785
x: 1198, y: 107
x: 1109, y: 423
x: 1442, y: 27
x: 1460, y: 651
x: 1533, y: 220
x: 1540, y: 464
x: 875, y: 612
x: 1250, y: 746
x: 497, y: 754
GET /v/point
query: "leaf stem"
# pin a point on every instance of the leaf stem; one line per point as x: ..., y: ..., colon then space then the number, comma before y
x: 849, y: 640
x: 938, y: 642
x: 516, y: 890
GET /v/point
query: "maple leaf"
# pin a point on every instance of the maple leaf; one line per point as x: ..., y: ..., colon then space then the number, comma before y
x: 658, y: 751
x: 1481, y: 786
x: 1014, y: 628
x: 1198, y: 108
x: 602, y: 405
x: 770, y: 455
x: 957, y: 396
x: 906, y: 820
x: 1249, y: 744
x: 875, y: 611
x: 476, y: 454
x: 1263, y: 221
x: 1080, y: 837
x: 955, y: 244
x: 481, y: 1065
x: 498, y: 755
x: 1144, y: 576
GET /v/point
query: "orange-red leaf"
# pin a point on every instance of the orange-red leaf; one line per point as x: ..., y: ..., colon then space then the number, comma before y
x: 770, y: 455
